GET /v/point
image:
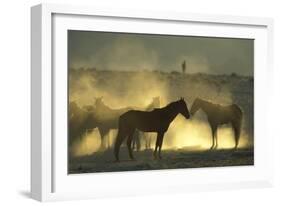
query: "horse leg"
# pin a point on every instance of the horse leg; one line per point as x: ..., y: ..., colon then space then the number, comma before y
x: 108, y: 140
x: 213, y: 136
x: 160, y: 144
x: 146, y: 141
x: 216, y: 139
x: 119, y: 139
x: 134, y: 142
x: 138, y: 141
x: 129, y: 145
x: 102, y: 135
x: 149, y: 141
x: 237, y: 131
x: 156, y: 146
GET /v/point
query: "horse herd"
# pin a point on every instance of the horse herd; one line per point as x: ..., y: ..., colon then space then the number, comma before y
x: 130, y: 121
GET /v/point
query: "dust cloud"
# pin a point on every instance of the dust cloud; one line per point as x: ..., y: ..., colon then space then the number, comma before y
x: 121, y: 89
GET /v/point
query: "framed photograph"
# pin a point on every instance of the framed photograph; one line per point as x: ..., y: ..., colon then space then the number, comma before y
x: 134, y: 102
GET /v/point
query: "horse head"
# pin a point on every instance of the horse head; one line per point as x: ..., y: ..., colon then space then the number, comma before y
x: 98, y: 101
x: 195, y: 106
x: 183, y: 109
x: 156, y: 102
x: 88, y: 108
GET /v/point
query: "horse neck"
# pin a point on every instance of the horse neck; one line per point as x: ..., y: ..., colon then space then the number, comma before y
x: 103, y: 107
x: 152, y: 105
x: 171, y: 111
x: 205, y: 106
x: 149, y: 106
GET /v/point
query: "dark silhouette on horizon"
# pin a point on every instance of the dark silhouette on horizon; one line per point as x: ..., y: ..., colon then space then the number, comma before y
x: 157, y: 120
x: 183, y: 67
x: 218, y: 115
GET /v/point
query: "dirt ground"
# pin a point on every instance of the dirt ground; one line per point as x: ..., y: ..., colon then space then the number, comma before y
x: 171, y: 159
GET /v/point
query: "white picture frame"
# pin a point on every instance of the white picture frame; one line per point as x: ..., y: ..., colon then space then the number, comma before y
x: 49, y: 180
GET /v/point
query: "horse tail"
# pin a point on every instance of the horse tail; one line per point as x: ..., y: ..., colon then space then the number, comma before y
x: 237, y: 124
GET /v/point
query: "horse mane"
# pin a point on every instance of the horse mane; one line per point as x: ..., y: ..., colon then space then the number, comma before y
x: 104, y: 106
x: 172, y: 104
x: 205, y: 101
x: 210, y: 105
x: 213, y: 104
x: 152, y: 104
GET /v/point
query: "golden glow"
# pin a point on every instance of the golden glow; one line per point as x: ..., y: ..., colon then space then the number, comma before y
x: 89, y: 144
x: 138, y: 91
x: 195, y: 134
x: 182, y: 134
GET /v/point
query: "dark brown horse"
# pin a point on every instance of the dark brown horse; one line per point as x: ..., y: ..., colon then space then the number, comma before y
x: 157, y: 120
x: 107, y: 118
x: 218, y: 115
x: 138, y: 136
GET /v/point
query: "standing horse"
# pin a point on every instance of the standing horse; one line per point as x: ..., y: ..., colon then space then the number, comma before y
x: 107, y: 118
x: 141, y: 135
x: 219, y: 115
x: 80, y: 121
x: 157, y: 120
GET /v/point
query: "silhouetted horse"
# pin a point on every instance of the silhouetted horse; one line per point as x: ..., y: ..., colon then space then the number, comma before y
x: 219, y: 115
x: 136, y: 143
x: 157, y: 120
x: 80, y: 121
x: 107, y: 118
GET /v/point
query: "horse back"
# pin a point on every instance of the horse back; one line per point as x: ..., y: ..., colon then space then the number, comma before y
x: 142, y: 120
x: 237, y: 110
x: 219, y: 114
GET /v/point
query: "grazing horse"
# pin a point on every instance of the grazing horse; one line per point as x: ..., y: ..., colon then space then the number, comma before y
x: 157, y: 120
x: 219, y: 115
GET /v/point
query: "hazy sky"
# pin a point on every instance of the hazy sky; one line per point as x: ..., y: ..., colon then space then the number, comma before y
x: 119, y: 51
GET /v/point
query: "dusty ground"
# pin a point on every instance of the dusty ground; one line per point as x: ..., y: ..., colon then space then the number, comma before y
x: 171, y: 159
x: 126, y: 88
